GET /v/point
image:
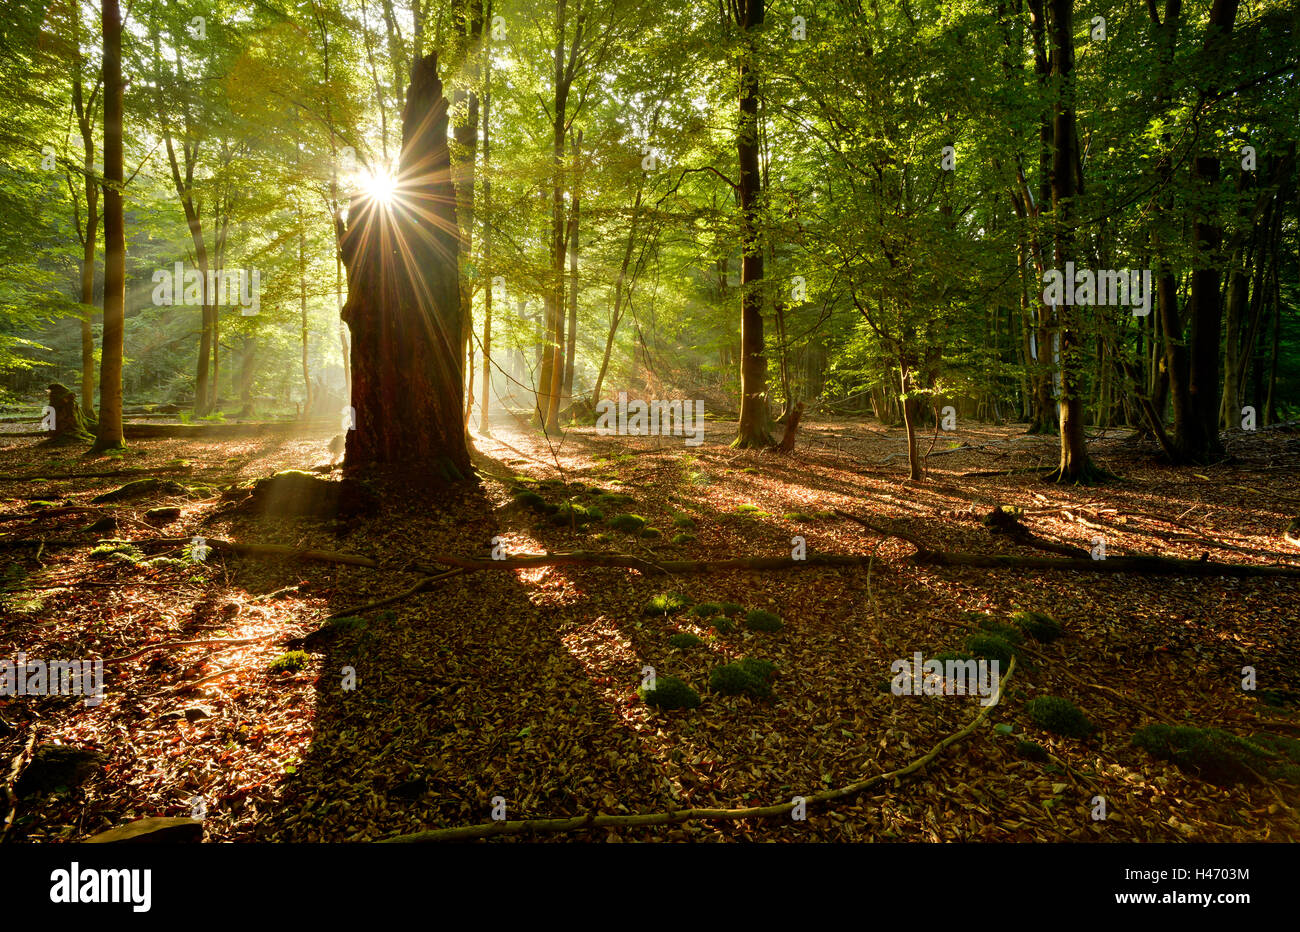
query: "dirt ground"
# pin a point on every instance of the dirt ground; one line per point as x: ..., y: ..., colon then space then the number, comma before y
x: 523, y: 684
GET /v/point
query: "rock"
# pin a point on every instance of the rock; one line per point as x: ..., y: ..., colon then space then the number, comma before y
x: 156, y: 829
x: 164, y: 515
x: 57, y: 765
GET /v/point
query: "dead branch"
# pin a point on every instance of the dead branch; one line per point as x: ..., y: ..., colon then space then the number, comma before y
x: 225, y: 642
x: 1149, y: 565
x: 420, y: 586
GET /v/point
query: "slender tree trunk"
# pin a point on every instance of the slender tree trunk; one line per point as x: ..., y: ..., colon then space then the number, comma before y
x: 109, y: 433
x: 86, y: 125
x: 753, y: 429
x: 484, y: 423
x: 1074, y: 464
x: 616, y: 313
x: 571, y: 348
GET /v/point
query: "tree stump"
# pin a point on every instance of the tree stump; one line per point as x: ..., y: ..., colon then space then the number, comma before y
x: 70, y: 424
x: 402, y: 257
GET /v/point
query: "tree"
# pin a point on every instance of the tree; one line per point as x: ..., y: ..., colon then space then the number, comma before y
x: 403, y: 308
x: 108, y: 435
x: 753, y: 429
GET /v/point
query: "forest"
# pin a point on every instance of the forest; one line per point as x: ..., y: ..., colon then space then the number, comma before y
x: 598, y: 421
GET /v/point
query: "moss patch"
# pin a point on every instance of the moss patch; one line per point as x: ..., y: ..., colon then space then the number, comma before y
x: 760, y: 620
x: 1060, y: 716
x: 1040, y: 627
x: 1209, y: 753
x: 685, y: 640
x: 670, y: 693
x: 667, y: 603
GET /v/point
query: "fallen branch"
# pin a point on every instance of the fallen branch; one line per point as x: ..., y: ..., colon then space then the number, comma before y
x: 104, y: 474
x: 227, y: 642
x: 1153, y: 566
x: 420, y: 586
x: 273, y: 550
x: 603, y: 558
x: 11, y: 780
x: 593, y: 820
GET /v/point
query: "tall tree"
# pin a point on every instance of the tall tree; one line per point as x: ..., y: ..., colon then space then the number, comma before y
x: 109, y: 436
x: 753, y: 430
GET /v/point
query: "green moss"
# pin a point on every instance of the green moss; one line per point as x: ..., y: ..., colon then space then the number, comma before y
x: 684, y: 521
x: 732, y: 608
x: 1040, y: 627
x: 609, y: 499
x: 990, y: 647
x: 683, y: 538
x: 1209, y: 753
x: 667, y: 603
x: 747, y: 677
x: 1032, y: 750
x: 291, y: 662
x: 760, y: 620
x: 344, y: 625
x: 534, y: 502
x: 722, y: 624
x: 958, y: 656
x: 751, y: 511
x: 799, y: 516
x: 142, y: 487
x: 570, y: 514
x: 670, y: 693
x: 707, y: 609
x: 109, y: 548
x: 1009, y: 633
x: 652, y: 533
x: 685, y: 640
x: 632, y: 524
x: 1060, y: 716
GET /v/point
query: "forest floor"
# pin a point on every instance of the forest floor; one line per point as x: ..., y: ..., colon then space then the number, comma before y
x: 523, y: 684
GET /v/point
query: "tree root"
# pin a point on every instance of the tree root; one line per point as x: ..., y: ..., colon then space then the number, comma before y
x: 594, y: 820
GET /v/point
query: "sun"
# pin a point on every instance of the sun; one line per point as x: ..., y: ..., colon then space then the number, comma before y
x: 379, y: 185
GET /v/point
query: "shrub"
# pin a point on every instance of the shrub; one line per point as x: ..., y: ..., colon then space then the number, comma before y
x: 630, y: 523
x: 685, y: 640
x: 1060, y: 716
x: 760, y: 620
x: 667, y: 603
x: 1210, y: 753
x: 291, y: 662
x: 748, y: 677
x: 1040, y: 627
x: 670, y: 693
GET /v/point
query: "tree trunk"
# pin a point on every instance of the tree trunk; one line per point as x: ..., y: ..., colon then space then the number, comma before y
x: 85, y: 123
x: 484, y: 419
x: 571, y: 348
x: 909, y: 422
x: 109, y: 433
x: 1074, y: 464
x: 753, y: 429
x: 404, y: 306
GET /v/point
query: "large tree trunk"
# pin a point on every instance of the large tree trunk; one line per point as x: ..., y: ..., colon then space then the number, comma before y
x: 404, y: 306
x: 753, y: 429
x: 109, y: 433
